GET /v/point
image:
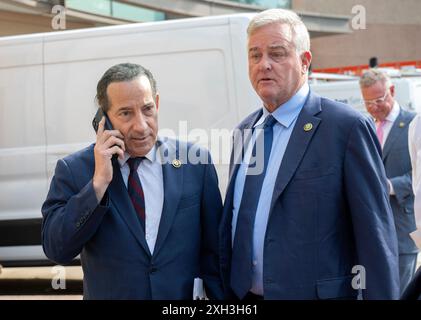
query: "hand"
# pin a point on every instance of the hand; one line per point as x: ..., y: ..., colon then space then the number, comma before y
x: 108, y: 143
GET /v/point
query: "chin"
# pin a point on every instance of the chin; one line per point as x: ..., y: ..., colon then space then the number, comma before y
x: 268, y: 93
x: 137, y: 151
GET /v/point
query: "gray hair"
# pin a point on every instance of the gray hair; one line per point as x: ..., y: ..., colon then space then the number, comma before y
x: 373, y: 76
x: 121, y: 73
x: 301, y: 37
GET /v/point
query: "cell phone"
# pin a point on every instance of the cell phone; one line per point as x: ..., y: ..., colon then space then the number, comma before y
x: 107, y: 126
x: 98, y: 117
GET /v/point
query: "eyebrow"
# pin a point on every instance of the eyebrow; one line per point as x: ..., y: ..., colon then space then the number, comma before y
x: 126, y: 108
x: 271, y: 47
x: 379, y: 98
x: 277, y: 47
x: 148, y: 104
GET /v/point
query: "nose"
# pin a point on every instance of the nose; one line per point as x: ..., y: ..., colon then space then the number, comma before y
x: 140, y: 125
x: 265, y: 63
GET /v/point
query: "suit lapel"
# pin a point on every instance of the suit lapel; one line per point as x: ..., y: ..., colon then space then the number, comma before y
x: 395, y: 132
x: 121, y: 201
x: 173, y: 182
x: 297, y: 144
x: 240, y: 141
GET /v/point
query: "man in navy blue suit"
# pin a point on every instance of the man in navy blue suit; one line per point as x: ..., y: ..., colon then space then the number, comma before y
x: 146, y: 223
x: 392, y: 123
x: 309, y: 216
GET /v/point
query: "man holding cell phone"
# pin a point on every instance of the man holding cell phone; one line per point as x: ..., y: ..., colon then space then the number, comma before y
x: 144, y: 222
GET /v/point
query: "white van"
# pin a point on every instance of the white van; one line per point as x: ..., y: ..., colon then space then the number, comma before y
x: 47, y: 89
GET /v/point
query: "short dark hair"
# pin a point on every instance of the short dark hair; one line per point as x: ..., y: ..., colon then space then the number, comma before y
x: 120, y: 73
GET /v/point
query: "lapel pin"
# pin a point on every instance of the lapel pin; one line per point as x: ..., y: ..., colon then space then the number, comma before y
x: 176, y: 163
x: 308, y: 127
x: 401, y: 124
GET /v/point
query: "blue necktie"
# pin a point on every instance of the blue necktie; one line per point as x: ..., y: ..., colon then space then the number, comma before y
x: 135, y: 189
x: 242, y: 251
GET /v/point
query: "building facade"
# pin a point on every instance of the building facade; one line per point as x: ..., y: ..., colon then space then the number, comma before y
x: 391, y: 31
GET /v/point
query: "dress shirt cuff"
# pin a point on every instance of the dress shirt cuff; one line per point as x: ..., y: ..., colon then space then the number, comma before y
x: 416, y: 236
x: 391, y: 190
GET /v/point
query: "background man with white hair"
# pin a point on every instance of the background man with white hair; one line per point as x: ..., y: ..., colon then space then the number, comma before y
x: 319, y: 207
x: 392, y: 124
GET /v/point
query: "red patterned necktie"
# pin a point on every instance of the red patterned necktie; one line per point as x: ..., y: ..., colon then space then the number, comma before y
x: 135, y: 189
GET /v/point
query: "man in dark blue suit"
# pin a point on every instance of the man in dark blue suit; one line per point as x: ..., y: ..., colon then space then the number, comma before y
x: 392, y: 123
x: 309, y: 216
x: 145, y: 224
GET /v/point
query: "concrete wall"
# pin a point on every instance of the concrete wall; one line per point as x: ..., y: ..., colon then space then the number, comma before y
x: 393, y: 32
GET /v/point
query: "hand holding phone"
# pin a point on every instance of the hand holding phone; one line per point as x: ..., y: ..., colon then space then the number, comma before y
x: 109, y: 145
x: 100, y: 114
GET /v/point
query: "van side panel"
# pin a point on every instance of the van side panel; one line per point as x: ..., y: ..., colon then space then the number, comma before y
x: 23, y: 177
x: 23, y: 183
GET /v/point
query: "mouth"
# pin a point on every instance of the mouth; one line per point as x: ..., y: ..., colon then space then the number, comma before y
x: 265, y: 80
x: 139, y: 139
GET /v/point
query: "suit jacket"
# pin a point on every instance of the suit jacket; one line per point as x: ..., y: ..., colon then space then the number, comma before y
x: 397, y: 164
x: 116, y: 260
x: 329, y: 212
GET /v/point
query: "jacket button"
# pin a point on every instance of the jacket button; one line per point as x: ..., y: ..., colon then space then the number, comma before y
x: 153, y: 270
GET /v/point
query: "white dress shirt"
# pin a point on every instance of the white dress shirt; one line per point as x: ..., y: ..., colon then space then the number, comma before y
x: 151, y: 178
x: 414, y: 144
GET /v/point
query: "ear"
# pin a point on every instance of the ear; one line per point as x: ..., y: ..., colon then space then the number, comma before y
x: 157, y: 101
x: 306, y: 61
x: 392, y: 90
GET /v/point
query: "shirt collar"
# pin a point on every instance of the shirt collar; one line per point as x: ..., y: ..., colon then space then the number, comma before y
x: 394, y: 113
x: 151, y: 156
x: 286, y: 113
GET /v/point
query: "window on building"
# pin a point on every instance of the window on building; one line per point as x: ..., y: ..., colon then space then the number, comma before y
x: 128, y: 12
x: 267, y: 3
x: 116, y: 10
x: 100, y: 7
